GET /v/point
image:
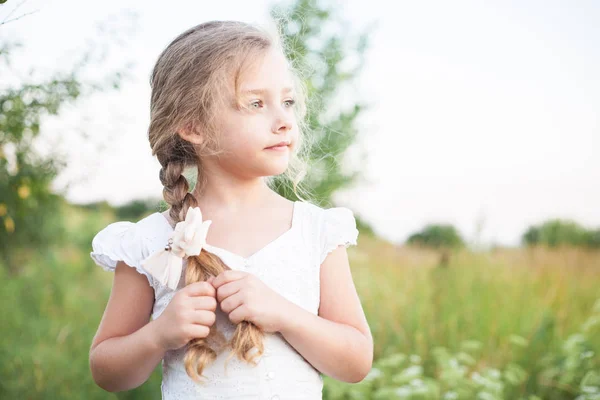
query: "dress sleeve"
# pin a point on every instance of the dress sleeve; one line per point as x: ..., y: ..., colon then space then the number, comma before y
x: 338, y: 227
x: 119, y: 241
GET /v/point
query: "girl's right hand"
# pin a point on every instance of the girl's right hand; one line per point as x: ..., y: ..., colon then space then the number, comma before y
x: 189, y: 315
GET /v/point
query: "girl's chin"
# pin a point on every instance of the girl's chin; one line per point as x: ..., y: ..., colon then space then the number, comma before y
x: 275, y: 169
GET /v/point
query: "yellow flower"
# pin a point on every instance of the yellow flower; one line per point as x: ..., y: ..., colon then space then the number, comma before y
x: 9, y: 224
x: 24, y: 192
x: 2, y: 209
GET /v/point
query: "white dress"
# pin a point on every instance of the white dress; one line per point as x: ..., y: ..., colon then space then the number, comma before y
x: 289, y: 265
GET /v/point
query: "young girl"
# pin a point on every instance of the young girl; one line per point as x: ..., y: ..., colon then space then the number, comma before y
x: 240, y: 292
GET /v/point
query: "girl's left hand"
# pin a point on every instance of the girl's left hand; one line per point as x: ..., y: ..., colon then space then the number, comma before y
x: 246, y: 298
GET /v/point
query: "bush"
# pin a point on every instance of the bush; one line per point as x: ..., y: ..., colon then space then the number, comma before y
x: 557, y: 232
x: 437, y: 236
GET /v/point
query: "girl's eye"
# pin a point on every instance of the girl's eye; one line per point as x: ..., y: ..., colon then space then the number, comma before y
x: 259, y: 103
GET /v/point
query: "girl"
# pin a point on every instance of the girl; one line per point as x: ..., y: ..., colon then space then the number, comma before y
x: 240, y: 292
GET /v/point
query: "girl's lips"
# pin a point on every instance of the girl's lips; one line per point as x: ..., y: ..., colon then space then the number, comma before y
x: 279, y: 148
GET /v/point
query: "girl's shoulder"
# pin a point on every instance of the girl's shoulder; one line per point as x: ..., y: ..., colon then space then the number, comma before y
x: 130, y: 242
x: 330, y: 227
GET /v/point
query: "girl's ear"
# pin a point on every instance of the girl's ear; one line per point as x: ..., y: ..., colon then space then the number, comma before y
x: 190, y: 134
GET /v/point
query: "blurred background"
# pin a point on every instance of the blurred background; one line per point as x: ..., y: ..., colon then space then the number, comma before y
x: 464, y: 135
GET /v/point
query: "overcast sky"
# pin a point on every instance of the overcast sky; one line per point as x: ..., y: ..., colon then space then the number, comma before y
x: 486, y: 113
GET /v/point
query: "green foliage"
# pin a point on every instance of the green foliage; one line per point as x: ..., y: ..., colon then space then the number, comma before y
x: 558, y: 232
x: 53, y: 310
x: 137, y: 209
x: 29, y: 208
x: 594, y: 239
x: 437, y: 236
x: 463, y: 374
x: 323, y: 59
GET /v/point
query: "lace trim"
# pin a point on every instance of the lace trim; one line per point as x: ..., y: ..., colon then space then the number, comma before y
x: 339, y: 229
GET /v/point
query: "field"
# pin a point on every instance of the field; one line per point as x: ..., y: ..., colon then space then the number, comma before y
x: 503, y: 324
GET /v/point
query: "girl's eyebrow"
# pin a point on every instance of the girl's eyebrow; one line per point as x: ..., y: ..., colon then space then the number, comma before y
x: 262, y: 91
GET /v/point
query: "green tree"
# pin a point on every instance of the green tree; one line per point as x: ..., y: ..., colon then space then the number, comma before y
x: 437, y: 236
x: 560, y: 232
x: 30, y: 211
x: 323, y: 55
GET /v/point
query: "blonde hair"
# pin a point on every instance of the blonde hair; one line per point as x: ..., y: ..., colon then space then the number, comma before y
x: 191, y: 80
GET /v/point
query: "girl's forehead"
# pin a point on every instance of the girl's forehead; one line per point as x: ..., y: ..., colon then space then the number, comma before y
x: 270, y: 72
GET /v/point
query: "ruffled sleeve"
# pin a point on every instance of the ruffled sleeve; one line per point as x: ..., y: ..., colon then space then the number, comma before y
x: 338, y: 227
x: 120, y: 241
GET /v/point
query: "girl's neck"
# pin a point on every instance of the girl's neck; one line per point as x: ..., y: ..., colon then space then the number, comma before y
x: 235, y: 197
x: 214, y: 210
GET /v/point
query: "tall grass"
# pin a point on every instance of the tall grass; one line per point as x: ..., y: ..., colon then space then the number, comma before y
x: 413, y: 304
x: 519, y: 309
x: 512, y: 310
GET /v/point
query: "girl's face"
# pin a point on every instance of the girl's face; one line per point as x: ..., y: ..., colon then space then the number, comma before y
x: 265, y: 119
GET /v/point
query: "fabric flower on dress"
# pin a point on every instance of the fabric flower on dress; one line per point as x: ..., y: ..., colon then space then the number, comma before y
x: 188, y: 239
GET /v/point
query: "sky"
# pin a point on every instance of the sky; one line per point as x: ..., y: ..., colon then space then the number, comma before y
x: 485, y: 115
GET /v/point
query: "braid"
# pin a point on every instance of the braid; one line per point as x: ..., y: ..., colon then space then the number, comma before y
x: 176, y: 190
x: 247, y: 337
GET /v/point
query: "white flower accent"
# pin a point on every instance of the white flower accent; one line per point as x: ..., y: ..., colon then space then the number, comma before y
x: 188, y: 239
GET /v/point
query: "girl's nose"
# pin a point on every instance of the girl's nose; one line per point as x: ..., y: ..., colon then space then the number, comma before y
x: 282, y: 124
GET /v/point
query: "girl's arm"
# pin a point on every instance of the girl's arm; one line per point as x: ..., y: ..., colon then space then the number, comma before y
x: 125, y: 350
x: 338, y: 341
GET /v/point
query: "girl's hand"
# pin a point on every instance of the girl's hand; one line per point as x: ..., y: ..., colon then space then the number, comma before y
x: 246, y: 298
x: 189, y: 315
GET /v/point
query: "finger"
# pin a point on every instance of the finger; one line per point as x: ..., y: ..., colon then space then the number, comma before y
x: 227, y: 276
x: 197, y: 330
x: 238, y: 315
x: 231, y: 303
x: 200, y: 289
x: 203, y: 303
x: 203, y: 317
x: 228, y: 289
